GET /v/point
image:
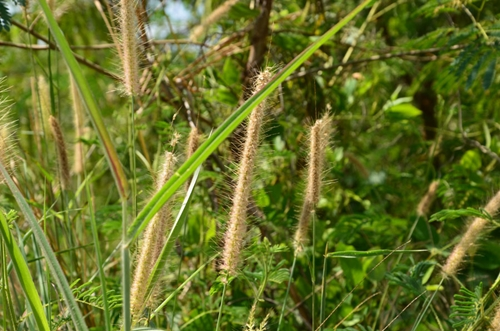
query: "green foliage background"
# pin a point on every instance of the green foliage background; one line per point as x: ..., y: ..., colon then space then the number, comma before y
x: 417, y: 100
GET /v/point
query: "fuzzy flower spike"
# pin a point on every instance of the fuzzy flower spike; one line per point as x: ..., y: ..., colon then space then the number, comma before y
x: 469, y: 238
x: 129, y: 47
x: 237, y: 228
x: 319, y: 138
x: 153, y: 241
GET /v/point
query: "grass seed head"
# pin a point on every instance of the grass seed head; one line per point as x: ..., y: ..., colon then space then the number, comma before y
x: 469, y: 238
x: 6, y: 129
x: 495, y: 323
x: 153, y: 241
x: 319, y: 138
x: 129, y: 47
x: 237, y: 228
x: 192, y: 142
x: 62, y: 154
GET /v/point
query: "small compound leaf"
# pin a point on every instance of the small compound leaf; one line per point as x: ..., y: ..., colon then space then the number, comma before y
x: 489, y: 74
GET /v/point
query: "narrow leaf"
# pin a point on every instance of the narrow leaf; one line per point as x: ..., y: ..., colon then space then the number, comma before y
x: 172, y: 236
x: 24, y: 276
x: 489, y: 74
x: 376, y: 252
x: 50, y: 258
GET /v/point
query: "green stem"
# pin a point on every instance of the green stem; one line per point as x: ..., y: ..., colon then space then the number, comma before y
x: 102, y: 276
x: 127, y: 323
x: 217, y: 328
x: 424, y: 311
x: 323, y: 291
x: 313, y: 271
x: 290, y: 280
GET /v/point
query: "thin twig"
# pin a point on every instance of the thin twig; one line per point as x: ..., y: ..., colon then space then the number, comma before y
x: 376, y: 58
x: 79, y: 58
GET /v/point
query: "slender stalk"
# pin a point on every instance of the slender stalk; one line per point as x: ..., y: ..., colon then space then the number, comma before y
x: 427, y: 304
x: 313, y: 271
x: 217, y: 328
x: 102, y: 276
x: 290, y: 280
x: 323, y: 290
x: 127, y: 321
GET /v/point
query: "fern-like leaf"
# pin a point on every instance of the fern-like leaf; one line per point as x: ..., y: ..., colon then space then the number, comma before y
x: 467, y: 307
x: 5, y: 16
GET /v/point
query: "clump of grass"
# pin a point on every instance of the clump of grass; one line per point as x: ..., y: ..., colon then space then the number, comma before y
x: 153, y: 242
x: 469, y: 238
x: 62, y: 154
x: 319, y: 138
x: 427, y: 200
x: 236, y: 231
x: 129, y: 47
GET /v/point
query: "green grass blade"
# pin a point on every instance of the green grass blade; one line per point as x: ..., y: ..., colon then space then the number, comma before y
x: 375, y: 252
x: 24, y: 276
x: 225, y: 129
x: 172, y: 236
x: 50, y: 258
x: 88, y: 100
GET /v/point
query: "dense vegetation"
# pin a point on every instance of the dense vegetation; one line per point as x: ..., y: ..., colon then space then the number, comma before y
x: 360, y: 194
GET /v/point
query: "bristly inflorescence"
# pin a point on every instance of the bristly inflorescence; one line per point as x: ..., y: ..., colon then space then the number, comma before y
x: 469, y: 238
x: 62, y: 154
x: 318, y: 141
x: 153, y: 241
x: 237, y: 228
x: 6, y: 128
x: 495, y: 323
x: 129, y: 47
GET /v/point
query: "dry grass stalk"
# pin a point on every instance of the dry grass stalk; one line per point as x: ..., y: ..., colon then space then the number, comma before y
x: 236, y: 231
x: 78, y: 120
x: 427, y: 199
x: 129, y: 47
x: 319, y: 138
x: 153, y: 241
x: 62, y: 154
x: 216, y: 15
x: 469, y: 238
